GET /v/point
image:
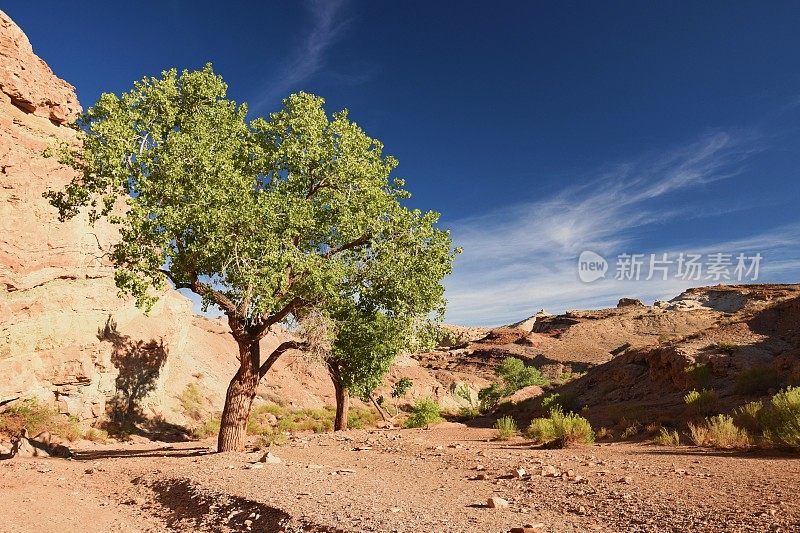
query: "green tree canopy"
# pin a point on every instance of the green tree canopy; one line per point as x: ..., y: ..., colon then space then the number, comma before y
x: 263, y: 218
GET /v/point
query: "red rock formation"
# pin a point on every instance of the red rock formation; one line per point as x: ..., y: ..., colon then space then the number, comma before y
x: 27, y: 80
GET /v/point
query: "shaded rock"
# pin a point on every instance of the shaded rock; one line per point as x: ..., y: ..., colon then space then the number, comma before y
x: 629, y: 302
x: 270, y: 458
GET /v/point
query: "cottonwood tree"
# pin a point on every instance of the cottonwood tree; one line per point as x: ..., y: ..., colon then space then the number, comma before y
x: 262, y: 218
x: 366, y: 341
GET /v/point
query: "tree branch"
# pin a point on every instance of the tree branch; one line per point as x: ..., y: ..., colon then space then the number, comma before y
x: 217, y: 297
x: 364, y: 239
x: 276, y: 353
x: 267, y: 322
x: 178, y: 285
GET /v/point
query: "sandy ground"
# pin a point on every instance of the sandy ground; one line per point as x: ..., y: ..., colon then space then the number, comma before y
x: 436, y: 480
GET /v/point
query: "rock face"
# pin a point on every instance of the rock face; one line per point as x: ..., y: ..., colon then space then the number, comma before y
x: 629, y: 302
x: 27, y: 80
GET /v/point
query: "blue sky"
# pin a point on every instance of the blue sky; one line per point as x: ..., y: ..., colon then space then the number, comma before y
x: 538, y: 129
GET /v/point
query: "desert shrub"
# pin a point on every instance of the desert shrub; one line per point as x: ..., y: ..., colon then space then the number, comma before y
x: 193, y: 402
x: 757, y: 380
x: 719, y: 432
x: 468, y: 413
x: 702, y: 402
x: 489, y: 397
x: 37, y: 417
x: 727, y: 347
x: 276, y: 438
x: 424, y: 413
x: 541, y: 431
x: 473, y: 410
x: 782, y: 419
x: 604, y: 434
x: 571, y: 428
x: 316, y: 420
x: 631, y: 431
x: 666, y: 437
x: 750, y: 416
x: 563, y: 401
x: 698, y: 373
x: 506, y: 428
x: 516, y: 375
x: 206, y: 428
x: 566, y: 429
x: 96, y: 435
x: 358, y: 417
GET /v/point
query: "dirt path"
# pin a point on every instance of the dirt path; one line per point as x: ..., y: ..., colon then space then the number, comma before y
x: 403, y: 481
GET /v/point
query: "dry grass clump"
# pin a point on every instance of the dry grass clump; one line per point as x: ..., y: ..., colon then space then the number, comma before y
x: 565, y: 430
x: 506, y: 427
x: 719, y: 432
x: 667, y: 437
x: 702, y: 402
x: 782, y: 419
x: 36, y: 417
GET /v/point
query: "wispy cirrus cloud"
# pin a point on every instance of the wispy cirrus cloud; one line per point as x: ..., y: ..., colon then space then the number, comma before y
x: 328, y: 24
x: 524, y: 257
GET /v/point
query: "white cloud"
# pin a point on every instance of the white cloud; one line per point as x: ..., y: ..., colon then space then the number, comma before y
x: 522, y: 258
x: 328, y: 25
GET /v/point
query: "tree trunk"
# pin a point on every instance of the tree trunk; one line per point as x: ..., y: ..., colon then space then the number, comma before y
x: 379, y: 408
x: 342, y: 399
x: 239, y: 399
x: 342, y: 408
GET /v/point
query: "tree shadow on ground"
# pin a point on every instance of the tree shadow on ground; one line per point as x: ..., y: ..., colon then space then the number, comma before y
x: 160, y: 452
x: 754, y: 453
x: 139, y: 364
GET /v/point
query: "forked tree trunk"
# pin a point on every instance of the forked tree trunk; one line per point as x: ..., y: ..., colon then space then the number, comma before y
x: 379, y: 409
x: 342, y: 399
x: 239, y: 399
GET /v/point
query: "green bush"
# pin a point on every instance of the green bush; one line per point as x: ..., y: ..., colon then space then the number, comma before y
x: 699, y: 374
x: 757, y: 380
x: 516, y: 375
x: 750, y: 416
x: 316, y: 420
x: 561, y: 401
x: 36, y: 417
x: 782, y: 419
x: 719, y: 432
x: 702, y: 402
x: 565, y: 429
x: 488, y: 398
x: 541, y: 431
x: 506, y: 428
x: 401, y: 387
x: 424, y: 413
